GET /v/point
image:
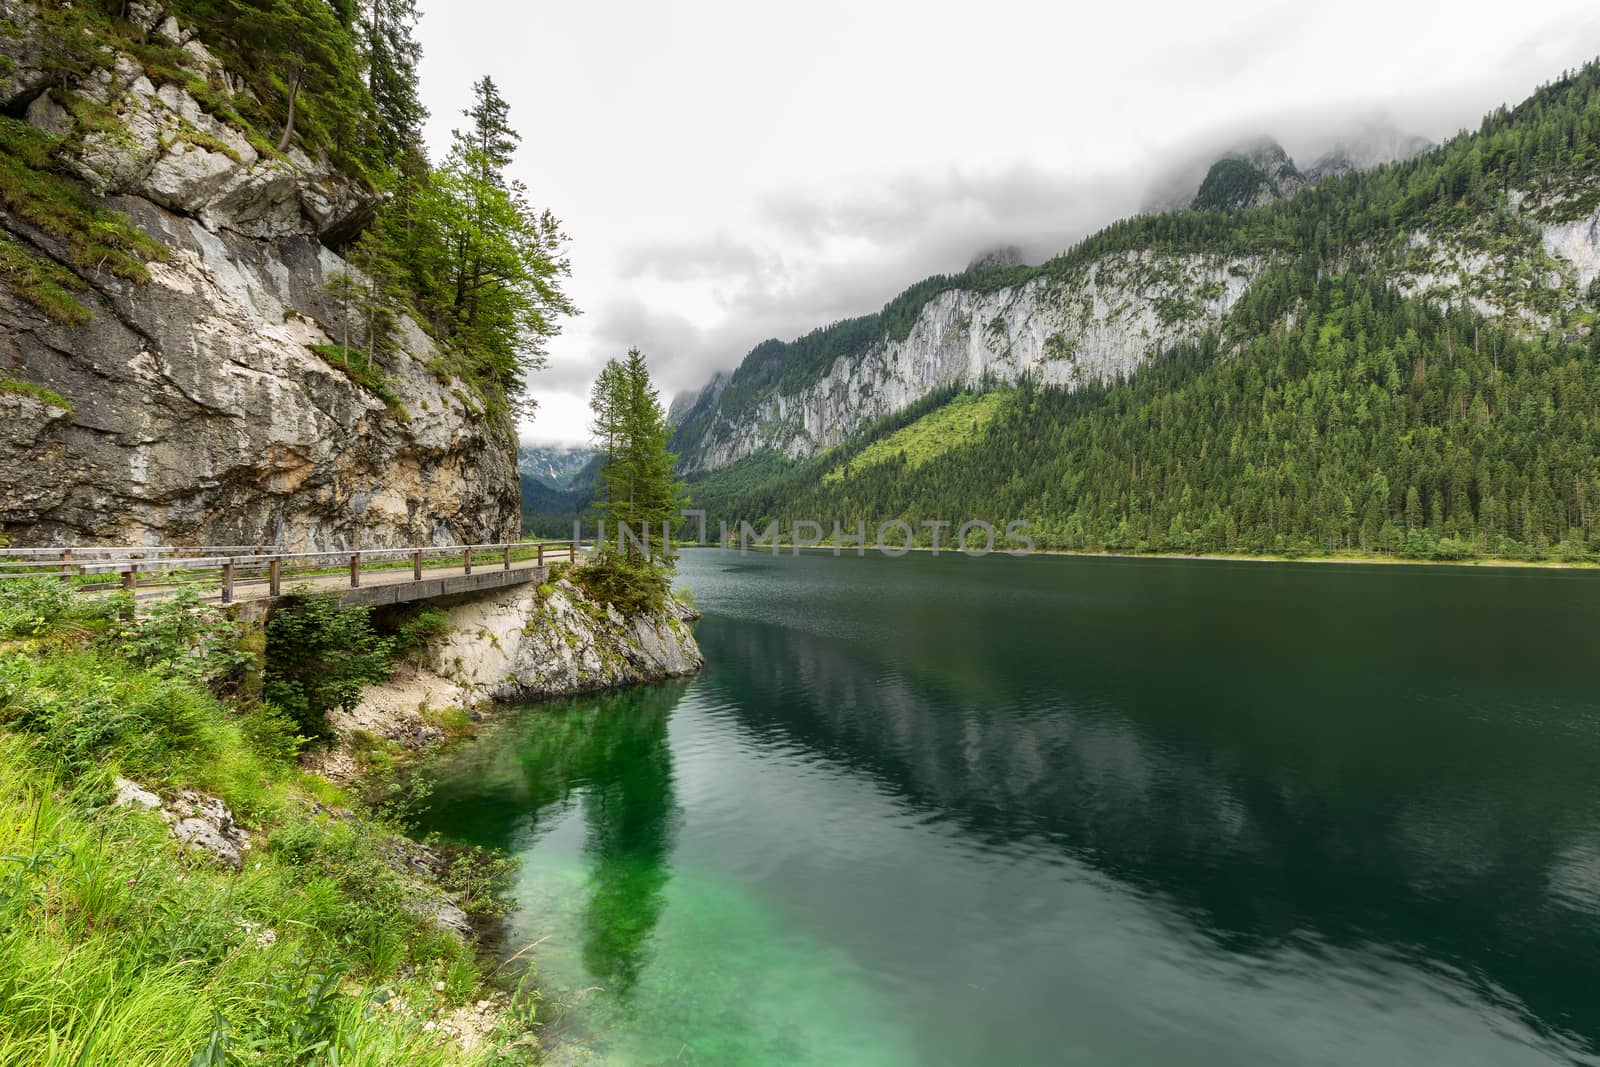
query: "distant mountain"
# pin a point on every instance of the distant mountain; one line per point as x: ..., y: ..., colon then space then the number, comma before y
x: 1250, y: 178
x: 554, y: 467
x: 549, y: 510
x: 1255, y: 172
x: 1006, y: 256
x: 1397, y: 358
x: 708, y: 394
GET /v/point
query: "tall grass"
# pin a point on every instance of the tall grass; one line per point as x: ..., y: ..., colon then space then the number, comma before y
x: 117, y: 946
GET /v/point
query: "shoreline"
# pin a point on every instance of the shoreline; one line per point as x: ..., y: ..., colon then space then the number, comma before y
x: 1498, y: 562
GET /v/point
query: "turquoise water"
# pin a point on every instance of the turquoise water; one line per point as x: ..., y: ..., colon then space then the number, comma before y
x: 1070, y: 811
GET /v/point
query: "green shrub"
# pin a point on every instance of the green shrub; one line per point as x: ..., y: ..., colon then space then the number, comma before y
x: 417, y: 630
x: 79, y: 706
x: 319, y: 656
x: 31, y: 607
x: 632, y: 586
x: 181, y: 636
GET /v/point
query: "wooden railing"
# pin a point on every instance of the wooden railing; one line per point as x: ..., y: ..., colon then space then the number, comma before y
x: 161, y: 569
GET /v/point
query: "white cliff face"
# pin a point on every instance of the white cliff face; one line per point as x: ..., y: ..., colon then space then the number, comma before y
x: 1109, y: 319
x: 198, y: 411
x: 1576, y: 244
x: 530, y: 642
x: 1106, y: 322
x: 1536, y: 280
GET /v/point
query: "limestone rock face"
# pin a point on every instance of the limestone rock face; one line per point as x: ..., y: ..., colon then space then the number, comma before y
x: 201, y: 415
x: 1105, y: 321
x: 168, y: 149
x: 197, y: 410
x: 521, y: 644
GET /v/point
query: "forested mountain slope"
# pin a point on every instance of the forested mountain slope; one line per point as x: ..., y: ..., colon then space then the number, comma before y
x: 1402, y: 359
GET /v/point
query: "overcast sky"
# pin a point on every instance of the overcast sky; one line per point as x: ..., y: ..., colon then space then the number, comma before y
x: 732, y: 171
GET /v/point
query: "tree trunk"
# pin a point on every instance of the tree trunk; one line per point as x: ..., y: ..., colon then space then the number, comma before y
x: 288, y: 123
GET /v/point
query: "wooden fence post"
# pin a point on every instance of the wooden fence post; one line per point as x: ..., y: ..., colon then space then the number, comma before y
x: 469, y: 560
x: 274, y: 576
x: 227, y: 582
x: 130, y: 582
x: 66, y: 567
x: 508, y: 557
x: 416, y: 566
x: 355, y: 570
x: 538, y: 560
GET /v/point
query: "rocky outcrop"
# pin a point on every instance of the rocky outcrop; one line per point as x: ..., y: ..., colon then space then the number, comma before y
x: 550, y: 640
x: 1536, y: 271
x: 200, y: 821
x: 198, y: 410
x: 515, y: 644
x: 167, y: 149
x: 1102, y: 322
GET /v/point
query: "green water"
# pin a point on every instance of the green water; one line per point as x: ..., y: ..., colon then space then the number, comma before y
x: 1071, y: 811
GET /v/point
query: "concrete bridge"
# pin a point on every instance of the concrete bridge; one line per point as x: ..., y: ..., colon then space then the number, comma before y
x: 255, y: 577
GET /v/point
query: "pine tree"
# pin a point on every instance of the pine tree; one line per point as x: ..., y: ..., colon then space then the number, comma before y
x: 638, y: 496
x: 490, y: 141
x: 392, y: 54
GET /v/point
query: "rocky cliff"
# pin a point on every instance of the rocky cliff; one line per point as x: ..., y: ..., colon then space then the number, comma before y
x: 184, y: 400
x: 1096, y: 324
x: 1103, y: 320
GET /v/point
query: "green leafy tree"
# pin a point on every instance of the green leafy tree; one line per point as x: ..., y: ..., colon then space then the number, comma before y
x: 487, y: 267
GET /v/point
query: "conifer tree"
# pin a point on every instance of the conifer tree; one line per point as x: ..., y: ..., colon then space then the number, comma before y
x: 638, y: 497
x: 392, y: 54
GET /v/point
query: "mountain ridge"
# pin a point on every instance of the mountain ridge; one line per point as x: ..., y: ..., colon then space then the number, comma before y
x: 1488, y: 243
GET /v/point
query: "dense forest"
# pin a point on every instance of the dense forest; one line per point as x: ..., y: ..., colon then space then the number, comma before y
x: 1328, y: 412
x: 455, y: 243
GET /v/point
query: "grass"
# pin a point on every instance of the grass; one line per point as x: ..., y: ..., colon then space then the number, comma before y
x: 96, y: 237
x: 16, y: 387
x: 42, y: 283
x: 957, y: 423
x: 359, y: 366
x: 116, y: 945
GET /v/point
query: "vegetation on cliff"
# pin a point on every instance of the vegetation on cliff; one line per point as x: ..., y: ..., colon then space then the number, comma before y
x: 456, y: 244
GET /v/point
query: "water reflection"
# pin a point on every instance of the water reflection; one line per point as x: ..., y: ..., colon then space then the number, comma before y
x: 1272, y: 796
x: 1075, y: 813
x: 608, y: 755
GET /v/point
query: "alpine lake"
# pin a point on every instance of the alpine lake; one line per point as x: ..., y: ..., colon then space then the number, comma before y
x: 1068, y: 810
